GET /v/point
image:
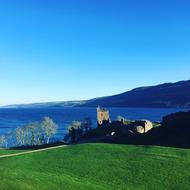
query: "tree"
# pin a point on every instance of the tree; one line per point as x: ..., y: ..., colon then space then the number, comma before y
x: 34, y: 130
x: 28, y: 135
x: 75, y: 130
x: 120, y: 118
x: 49, y: 128
x: 10, y: 138
x: 3, y: 141
x: 20, y: 136
x: 87, y: 124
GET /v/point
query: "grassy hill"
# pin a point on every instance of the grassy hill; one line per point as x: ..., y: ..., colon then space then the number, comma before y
x: 98, y: 166
x: 163, y: 95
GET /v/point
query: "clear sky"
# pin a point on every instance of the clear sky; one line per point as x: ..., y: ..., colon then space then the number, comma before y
x: 54, y: 50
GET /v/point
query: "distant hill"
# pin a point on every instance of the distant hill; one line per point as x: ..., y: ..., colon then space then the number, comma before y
x: 47, y: 105
x: 168, y: 95
x: 164, y: 95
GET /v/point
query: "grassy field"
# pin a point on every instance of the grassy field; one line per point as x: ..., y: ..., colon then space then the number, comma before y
x: 98, y: 167
x: 7, y: 151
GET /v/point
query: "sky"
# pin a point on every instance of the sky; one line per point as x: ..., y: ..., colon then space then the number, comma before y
x: 58, y: 50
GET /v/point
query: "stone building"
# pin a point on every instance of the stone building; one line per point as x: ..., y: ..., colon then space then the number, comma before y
x: 143, y: 126
x: 102, y: 116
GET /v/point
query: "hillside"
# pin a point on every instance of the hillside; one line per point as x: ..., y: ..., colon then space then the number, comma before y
x: 47, y: 105
x: 98, y: 166
x: 168, y: 95
x: 164, y: 95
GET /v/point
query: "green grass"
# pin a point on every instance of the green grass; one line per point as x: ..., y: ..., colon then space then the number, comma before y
x: 98, y: 167
x: 156, y: 124
x: 7, y: 151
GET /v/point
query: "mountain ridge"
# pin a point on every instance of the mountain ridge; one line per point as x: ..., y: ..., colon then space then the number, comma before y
x: 163, y: 95
x: 166, y: 95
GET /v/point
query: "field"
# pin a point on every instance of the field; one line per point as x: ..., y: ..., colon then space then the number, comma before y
x: 98, y: 167
x: 4, y: 151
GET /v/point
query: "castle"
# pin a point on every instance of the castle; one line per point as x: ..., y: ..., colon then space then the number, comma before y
x: 102, y: 116
x: 137, y: 126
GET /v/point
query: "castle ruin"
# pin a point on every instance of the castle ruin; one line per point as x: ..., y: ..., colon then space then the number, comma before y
x: 102, y: 116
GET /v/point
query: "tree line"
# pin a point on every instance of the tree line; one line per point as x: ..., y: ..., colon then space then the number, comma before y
x: 77, y: 129
x: 35, y: 133
x: 39, y: 133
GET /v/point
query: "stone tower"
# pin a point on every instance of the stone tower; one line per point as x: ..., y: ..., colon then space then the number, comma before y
x: 102, y: 116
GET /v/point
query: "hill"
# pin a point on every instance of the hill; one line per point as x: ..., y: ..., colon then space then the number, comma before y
x: 168, y: 95
x: 98, y: 166
x: 47, y: 105
x: 164, y: 95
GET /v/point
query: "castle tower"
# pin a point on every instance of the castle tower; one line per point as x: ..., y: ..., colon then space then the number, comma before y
x: 102, y: 115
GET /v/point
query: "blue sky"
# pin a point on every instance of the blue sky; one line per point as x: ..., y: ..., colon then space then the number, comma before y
x: 52, y: 50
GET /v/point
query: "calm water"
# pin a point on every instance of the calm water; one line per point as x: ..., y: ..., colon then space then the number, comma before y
x: 12, y: 118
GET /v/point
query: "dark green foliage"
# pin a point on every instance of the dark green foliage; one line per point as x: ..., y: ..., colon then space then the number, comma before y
x: 77, y: 129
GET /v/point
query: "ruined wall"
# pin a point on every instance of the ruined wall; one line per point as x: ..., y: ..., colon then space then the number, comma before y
x: 102, y: 115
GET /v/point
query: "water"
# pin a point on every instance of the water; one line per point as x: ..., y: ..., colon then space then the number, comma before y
x: 13, y: 118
